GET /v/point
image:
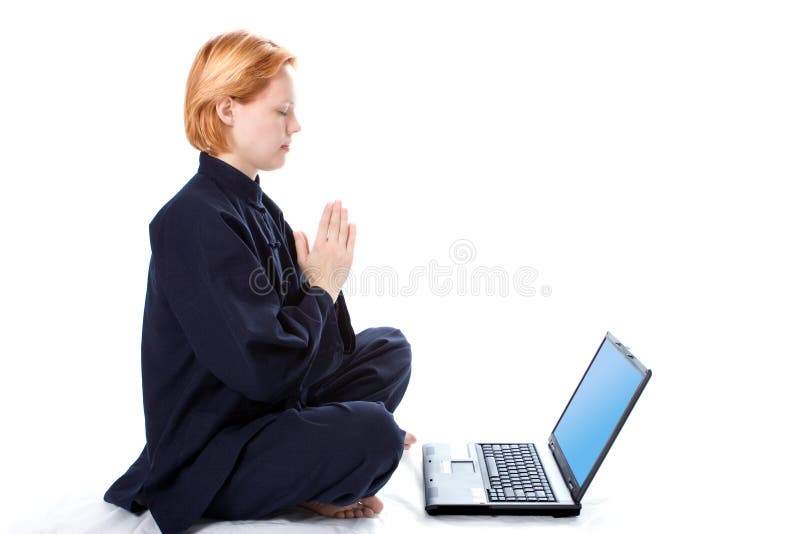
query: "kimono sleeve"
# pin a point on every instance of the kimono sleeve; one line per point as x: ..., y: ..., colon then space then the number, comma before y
x: 239, y: 330
x: 345, y: 326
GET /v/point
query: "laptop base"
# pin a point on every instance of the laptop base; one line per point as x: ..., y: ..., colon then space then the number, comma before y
x: 506, y: 510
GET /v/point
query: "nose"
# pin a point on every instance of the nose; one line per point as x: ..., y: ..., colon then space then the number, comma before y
x: 293, y: 125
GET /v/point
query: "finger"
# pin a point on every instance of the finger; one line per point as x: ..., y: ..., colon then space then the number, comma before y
x: 351, y: 239
x: 343, y: 228
x: 300, y: 247
x: 304, y: 237
x: 322, y: 231
x: 333, y: 227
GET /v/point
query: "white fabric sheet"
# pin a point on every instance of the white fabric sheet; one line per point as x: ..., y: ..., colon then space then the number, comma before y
x: 404, y: 512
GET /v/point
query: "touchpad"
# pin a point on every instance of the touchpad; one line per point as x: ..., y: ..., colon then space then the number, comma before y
x: 462, y: 467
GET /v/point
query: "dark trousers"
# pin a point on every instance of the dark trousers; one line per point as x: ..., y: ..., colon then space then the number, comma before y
x: 341, y: 446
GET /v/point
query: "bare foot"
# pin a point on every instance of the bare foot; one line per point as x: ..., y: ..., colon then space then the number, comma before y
x: 365, y: 507
x: 410, y: 440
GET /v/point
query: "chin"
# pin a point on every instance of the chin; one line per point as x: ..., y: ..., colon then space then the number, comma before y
x: 270, y: 165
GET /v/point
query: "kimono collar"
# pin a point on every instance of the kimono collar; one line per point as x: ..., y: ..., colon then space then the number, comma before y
x: 231, y: 179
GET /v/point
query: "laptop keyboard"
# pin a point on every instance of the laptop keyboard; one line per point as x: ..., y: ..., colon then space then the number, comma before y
x: 516, y: 473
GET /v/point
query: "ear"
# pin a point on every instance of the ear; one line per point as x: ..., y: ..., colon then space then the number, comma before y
x: 225, y: 110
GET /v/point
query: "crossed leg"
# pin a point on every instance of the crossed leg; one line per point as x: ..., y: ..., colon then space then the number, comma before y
x: 379, y: 370
x: 364, y: 507
x: 333, y: 454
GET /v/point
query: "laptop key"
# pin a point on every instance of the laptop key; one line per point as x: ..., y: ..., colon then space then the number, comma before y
x: 491, y: 466
x: 509, y: 492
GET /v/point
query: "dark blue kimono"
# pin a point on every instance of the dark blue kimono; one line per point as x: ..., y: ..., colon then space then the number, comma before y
x: 257, y: 393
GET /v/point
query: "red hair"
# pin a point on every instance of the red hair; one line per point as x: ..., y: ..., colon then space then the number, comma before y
x: 236, y: 64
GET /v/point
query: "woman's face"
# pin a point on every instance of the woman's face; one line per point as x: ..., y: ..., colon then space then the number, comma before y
x: 262, y: 129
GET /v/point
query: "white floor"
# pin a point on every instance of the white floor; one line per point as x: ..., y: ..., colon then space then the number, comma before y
x: 403, y: 512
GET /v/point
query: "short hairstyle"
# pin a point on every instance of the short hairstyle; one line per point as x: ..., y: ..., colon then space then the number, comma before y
x: 236, y: 64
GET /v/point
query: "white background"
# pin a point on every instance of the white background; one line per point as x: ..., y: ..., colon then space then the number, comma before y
x: 641, y: 156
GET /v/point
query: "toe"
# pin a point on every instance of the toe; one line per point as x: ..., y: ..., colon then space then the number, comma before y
x: 374, y: 503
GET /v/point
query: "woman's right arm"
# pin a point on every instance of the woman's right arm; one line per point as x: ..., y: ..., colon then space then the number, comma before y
x: 240, y: 333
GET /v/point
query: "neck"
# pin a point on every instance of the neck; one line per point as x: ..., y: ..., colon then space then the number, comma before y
x: 233, y: 161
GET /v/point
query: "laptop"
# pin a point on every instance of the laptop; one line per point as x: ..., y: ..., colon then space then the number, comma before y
x: 526, y: 478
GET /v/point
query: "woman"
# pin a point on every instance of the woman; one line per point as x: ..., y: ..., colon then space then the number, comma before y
x: 258, y: 396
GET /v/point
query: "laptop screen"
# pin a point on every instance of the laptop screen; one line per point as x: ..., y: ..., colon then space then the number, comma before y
x: 596, y: 408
